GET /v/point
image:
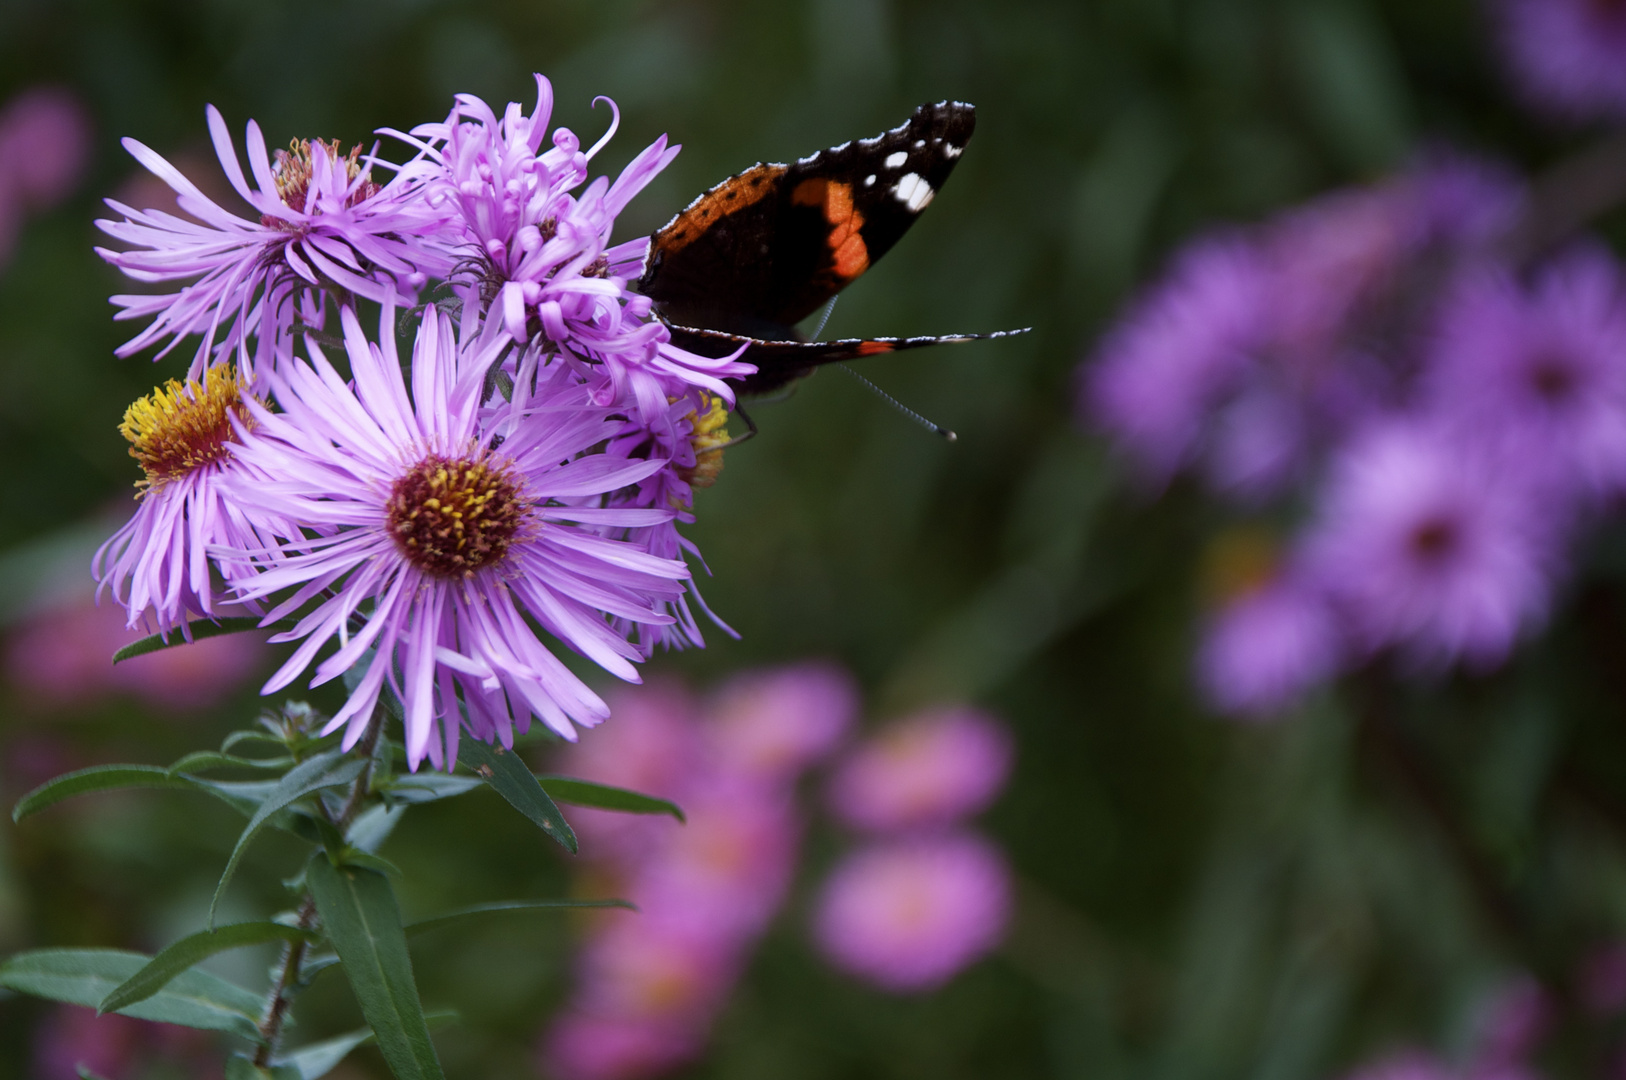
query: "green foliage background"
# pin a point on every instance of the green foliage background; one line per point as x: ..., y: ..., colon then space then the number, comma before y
x: 1197, y: 899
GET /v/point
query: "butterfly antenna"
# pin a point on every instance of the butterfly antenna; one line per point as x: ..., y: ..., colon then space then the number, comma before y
x: 828, y: 308
x: 935, y: 429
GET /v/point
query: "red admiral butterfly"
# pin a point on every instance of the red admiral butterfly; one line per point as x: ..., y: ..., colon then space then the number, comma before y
x: 763, y: 250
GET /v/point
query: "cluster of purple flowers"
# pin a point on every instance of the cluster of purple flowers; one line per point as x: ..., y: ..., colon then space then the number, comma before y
x: 526, y: 465
x: 1423, y: 426
x: 650, y: 985
x: 923, y: 897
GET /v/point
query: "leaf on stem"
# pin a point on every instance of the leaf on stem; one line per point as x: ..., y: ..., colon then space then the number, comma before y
x: 577, y: 792
x: 239, y: 1067
x: 198, y: 629
x: 363, y: 922
x: 110, y: 778
x: 328, y: 769
x: 506, y: 773
x: 192, y: 950
x: 86, y: 976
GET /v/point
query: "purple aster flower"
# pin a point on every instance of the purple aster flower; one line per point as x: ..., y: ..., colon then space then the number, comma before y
x: 158, y: 564
x: 45, y: 143
x: 909, y: 916
x: 927, y: 770
x: 453, y: 539
x: 767, y: 726
x: 1540, y: 370
x: 1267, y: 647
x: 1423, y: 544
x: 541, y: 256
x: 1569, y: 56
x: 325, y: 227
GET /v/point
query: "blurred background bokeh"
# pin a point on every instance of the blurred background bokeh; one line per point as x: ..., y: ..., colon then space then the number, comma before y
x: 1191, y: 896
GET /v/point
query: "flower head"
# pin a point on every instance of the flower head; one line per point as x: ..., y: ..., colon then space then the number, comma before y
x: 453, y: 523
x: 1425, y: 545
x: 1267, y: 646
x: 323, y: 226
x: 927, y: 770
x: 158, y: 564
x: 1566, y: 54
x: 909, y: 916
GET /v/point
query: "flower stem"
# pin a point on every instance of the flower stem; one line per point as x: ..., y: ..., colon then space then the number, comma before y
x: 293, y: 953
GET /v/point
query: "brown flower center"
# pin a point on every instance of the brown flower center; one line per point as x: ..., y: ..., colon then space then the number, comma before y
x: 292, y: 173
x: 181, y: 427
x: 453, y: 516
x: 1434, y: 540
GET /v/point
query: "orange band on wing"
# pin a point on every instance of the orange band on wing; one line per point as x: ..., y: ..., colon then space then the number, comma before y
x: 732, y: 194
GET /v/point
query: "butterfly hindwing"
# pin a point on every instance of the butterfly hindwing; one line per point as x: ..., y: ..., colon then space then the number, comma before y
x: 764, y: 249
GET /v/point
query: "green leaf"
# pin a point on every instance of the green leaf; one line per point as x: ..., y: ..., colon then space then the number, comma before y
x: 378, y: 863
x: 428, y: 787
x: 569, y: 789
x: 363, y: 922
x: 239, y: 1067
x: 108, y: 778
x: 505, y: 772
x: 86, y: 976
x: 318, y: 1059
x: 373, y: 826
x: 504, y: 907
x: 328, y: 769
x: 86, y: 1074
x: 199, y: 629
x: 192, y: 950
x: 205, y: 760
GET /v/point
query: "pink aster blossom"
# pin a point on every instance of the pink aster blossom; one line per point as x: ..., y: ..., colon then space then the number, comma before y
x: 411, y: 507
x: 323, y: 228
x: 771, y: 724
x: 931, y: 769
x: 1566, y: 55
x: 910, y: 915
x: 539, y: 248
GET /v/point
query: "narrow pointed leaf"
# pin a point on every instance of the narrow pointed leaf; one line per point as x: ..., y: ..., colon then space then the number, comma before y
x: 363, y: 922
x: 205, y: 760
x: 239, y: 1067
x: 318, y: 1059
x: 429, y: 787
x: 327, y: 769
x: 192, y: 950
x: 575, y: 792
x: 200, y: 629
x: 505, y: 907
x: 373, y: 826
x: 111, y: 778
x: 86, y: 976
x: 505, y: 772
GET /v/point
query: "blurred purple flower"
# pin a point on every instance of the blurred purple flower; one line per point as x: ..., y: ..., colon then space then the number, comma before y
x: 324, y: 224
x: 451, y: 542
x: 909, y: 915
x: 588, y: 1046
x: 1426, y: 546
x: 45, y: 139
x: 1602, y: 980
x: 1568, y: 56
x: 1267, y: 647
x: 1540, y: 370
x: 772, y: 724
x: 62, y: 658
x: 1515, y: 1019
x: 927, y: 770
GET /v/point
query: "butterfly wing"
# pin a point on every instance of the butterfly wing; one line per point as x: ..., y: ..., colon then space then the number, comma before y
x: 780, y: 363
x: 763, y: 250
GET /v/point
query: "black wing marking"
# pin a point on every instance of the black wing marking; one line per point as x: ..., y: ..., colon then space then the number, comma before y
x: 764, y: 249
x: 780, y: 363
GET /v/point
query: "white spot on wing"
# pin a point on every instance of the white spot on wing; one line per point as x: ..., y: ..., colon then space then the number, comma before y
x: 869, y: 181
x: 895, y: 159
x: 913, y: 192
x: 952, y: 151
x: 919, y: 143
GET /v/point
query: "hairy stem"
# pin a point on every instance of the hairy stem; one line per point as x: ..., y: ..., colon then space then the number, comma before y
x: 293, y: 953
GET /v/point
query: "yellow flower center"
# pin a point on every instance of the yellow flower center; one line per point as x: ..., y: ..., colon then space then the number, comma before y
x: 709, y: 437
x: 292, y: 173
x: 182, y: 427
x: 453, y: 516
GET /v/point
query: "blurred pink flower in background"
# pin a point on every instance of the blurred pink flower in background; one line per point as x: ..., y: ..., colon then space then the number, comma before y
x: 119, y: 1047
x: 62, y: 657
x: 45, y: 137
x: 650, y: 984
x: 1602, y: 982
x: 909, y: 915
x: 924, y: 771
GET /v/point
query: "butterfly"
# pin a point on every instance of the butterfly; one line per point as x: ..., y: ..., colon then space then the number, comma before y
x: 766, y: 248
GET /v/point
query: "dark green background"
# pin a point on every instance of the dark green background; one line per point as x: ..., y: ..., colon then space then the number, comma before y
x: 1196, y: 899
